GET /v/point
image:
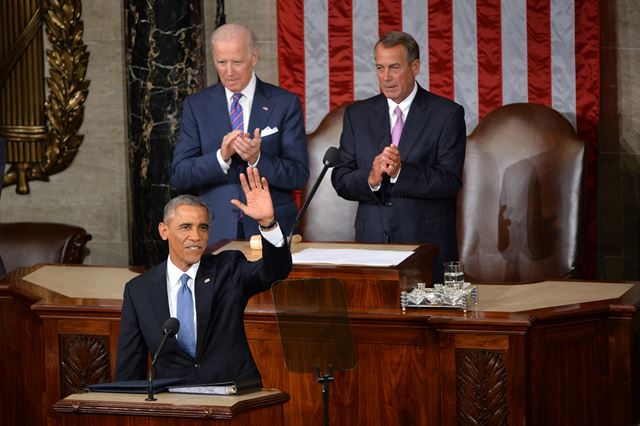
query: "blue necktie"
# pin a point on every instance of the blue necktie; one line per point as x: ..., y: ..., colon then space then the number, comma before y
x: 186, y: 335
x: 235, y: 113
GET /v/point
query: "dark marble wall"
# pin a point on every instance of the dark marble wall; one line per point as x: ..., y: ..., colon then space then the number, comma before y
x: 165, y: 48
x: 619, y: 150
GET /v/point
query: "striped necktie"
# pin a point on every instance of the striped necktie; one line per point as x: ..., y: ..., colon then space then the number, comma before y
x: 235, y: 113
x: 397, y: 128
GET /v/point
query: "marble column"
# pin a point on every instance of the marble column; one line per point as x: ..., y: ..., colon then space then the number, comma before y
x: 165, y: 48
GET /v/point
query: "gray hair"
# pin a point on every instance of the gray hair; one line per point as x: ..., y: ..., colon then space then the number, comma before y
x: 232, y: 31
x: 400, y: 38
x: 181, y: 200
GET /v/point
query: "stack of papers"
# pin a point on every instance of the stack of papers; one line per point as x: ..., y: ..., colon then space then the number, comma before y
x: 356, y: 257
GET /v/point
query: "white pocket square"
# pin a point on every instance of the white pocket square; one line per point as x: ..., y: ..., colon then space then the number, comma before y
x: 268, y: 131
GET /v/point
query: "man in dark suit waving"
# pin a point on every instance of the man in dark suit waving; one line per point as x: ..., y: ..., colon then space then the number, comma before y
x: 240, y: 121
x: 208, y: 293
x: 402, y: 154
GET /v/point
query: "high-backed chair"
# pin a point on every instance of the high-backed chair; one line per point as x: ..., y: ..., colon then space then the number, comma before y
x: 27, y: 243
x: 519, y: 211
x: 329, y: 217
x: 3, y: 162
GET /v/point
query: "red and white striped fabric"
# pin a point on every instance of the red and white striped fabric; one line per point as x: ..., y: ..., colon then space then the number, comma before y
x: 480, y: 53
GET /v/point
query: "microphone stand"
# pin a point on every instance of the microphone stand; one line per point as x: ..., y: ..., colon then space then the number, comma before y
x: 330, y: 158
x: 306, y: 203
x: 152, y: 370
x: 150, y: 396
x: 170, y: 329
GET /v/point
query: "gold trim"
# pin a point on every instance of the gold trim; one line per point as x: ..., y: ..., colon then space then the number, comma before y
x: 23, y: 132
x: 68, y: 89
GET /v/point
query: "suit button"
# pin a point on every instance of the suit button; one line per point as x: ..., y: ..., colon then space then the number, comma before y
x: 388, y: 204
x: 197, y: 365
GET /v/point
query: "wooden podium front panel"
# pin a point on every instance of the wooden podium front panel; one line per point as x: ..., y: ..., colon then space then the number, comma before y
x: 388, y: 386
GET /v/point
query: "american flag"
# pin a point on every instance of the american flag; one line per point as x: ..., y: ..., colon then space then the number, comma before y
x: 480, y: 53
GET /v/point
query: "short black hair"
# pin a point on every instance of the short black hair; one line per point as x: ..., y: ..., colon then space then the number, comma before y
x: 182, y: 200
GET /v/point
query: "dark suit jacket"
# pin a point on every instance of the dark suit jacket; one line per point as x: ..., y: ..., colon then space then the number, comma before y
x: 421, y: 206
x: 283, y: 155
x: 223, y: 285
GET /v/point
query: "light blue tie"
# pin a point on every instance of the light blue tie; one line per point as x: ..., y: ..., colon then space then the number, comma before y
x: 186, y: 335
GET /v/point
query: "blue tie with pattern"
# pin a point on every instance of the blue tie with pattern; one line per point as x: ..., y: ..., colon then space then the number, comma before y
x: 235, y: 113
x: 186, y: 335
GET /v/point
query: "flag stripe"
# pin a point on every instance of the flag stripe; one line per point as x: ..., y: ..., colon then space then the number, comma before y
x: 489, y: 49
x: 340, y: 53
x: 317, y: 61
x: 465, y: 59
x: 563, y: 70
x: 539, y: 51
x: 365, y: 35
x: 515, y: 84
x: 415, y: 22
x: 291, y: 60
x: 389, y: 16
x: 441, y: 48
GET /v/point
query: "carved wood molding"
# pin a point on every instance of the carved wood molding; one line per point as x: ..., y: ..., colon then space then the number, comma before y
x: 68, y: 59
x: 84, y: 360
x: 481, y: 388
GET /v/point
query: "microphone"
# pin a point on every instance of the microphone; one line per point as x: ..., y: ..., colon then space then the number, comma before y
x: 169, y: 329
x: 329, y: 160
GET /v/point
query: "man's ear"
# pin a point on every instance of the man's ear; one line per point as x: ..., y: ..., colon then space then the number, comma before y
x: 163, y: 231
x: 415, y: 67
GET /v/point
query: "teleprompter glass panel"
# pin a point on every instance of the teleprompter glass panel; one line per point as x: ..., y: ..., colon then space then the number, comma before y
x: 314, y: 325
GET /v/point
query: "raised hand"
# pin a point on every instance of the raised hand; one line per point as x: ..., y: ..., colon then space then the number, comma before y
x: 259, y: 205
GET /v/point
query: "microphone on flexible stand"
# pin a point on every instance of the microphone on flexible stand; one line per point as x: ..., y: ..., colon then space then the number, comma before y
x: 329, y: 160
x: 169, y: 329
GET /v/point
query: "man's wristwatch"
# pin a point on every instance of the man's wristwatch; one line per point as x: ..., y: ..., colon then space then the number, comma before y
x: 269, y: 226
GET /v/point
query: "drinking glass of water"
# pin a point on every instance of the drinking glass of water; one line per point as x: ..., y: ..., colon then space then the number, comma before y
x: 454, y: 274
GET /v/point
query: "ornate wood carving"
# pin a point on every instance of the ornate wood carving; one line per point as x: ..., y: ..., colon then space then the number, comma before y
x: 84, y: 360
x: 64, y: 108
x: 481, y: 388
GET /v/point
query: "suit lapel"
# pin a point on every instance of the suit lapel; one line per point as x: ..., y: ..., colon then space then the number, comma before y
x: 414, y: 123
x: 159, y: 296
x: 218, y: 111
x: 205, y: 287
x: 380, y: 126
x: 260, y: 109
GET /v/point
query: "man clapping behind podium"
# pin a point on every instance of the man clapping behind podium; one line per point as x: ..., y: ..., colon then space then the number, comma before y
x: 208, y: 293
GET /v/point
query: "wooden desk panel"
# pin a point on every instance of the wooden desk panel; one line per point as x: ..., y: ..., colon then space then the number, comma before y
x: 569, y: 364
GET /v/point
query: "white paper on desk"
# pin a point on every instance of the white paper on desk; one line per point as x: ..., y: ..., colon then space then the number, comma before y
x: 358, y: 257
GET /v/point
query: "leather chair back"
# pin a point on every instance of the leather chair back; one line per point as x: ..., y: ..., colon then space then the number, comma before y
x: 25, y: 244
x: 329, y: 217
x: 519, y: 211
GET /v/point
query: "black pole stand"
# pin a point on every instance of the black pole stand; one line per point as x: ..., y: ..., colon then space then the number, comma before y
x: 150, y: 396
x: 325, y: 379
